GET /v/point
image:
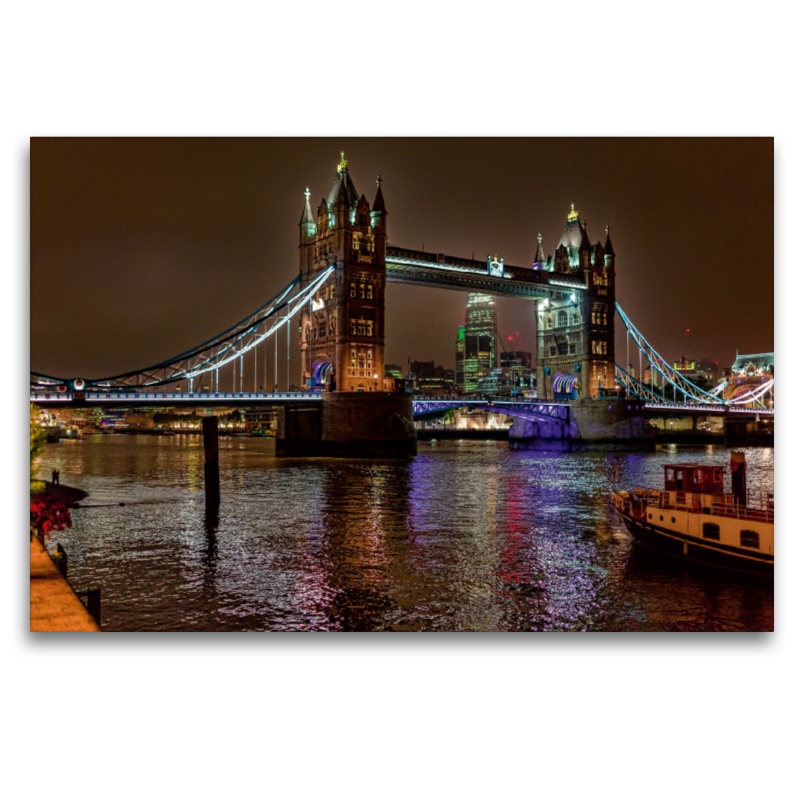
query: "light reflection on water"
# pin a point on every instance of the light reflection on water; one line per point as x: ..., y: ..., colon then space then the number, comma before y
x: 466, y: 536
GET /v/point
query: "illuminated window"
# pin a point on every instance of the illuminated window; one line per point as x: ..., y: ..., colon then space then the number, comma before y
x: 749, y: 539
x: 369, y: 291
x: 361, y: 295
x: 352, y: 290
x: 352, y: 327
x: 562, y: 319
x: 369, y: 327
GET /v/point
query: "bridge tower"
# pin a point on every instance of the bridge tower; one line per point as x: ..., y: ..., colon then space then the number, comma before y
x: 342, y: 329
x: 575, y: 327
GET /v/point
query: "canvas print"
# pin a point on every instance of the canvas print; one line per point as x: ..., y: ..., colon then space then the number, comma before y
x: 401, y: 384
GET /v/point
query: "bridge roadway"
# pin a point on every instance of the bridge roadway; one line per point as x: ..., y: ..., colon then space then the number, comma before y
x: 522, y: 408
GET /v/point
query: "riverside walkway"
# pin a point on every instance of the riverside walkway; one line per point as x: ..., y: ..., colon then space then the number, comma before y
x: 54, y: 605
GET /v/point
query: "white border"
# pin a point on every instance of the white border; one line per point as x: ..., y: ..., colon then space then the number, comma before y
x: 485, y: 715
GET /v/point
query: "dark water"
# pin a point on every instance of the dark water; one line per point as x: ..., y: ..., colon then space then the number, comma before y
x: 466, y: 536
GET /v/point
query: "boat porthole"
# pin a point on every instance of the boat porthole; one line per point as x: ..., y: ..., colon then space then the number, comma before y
x: 673, y: 519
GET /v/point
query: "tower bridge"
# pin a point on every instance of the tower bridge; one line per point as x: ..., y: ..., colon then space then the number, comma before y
x: 338, y: 301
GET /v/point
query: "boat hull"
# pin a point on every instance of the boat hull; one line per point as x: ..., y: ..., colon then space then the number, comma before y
x: 670, y: 543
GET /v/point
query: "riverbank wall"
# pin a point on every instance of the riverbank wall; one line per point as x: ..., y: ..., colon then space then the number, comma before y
x: 54, y: 605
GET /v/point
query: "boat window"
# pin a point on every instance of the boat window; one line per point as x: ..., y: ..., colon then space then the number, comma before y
x: 680, y: 474
x: 670, y: 474
x: 717, y: 476
x: 710, y: 530
x: 698, y: 476
x: 748, y: 538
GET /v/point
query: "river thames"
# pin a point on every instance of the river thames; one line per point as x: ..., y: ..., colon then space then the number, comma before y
x: 466, y: 536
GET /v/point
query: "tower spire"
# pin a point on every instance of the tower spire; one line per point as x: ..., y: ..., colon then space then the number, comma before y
x: 539, y: 258
x: 308, y: 227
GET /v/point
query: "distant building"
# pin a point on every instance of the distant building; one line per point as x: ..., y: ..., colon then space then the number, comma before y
x: 698, y: 372
x: 431, y: 379
x: 260, y: 418
x: 756, y: 365
x: 747, y: 373
x: 392, y: 371
x: 509, y: 381
x: 476, y: 346
x: 515, y: 358
x: 460, y: 356
x: 140, y: 418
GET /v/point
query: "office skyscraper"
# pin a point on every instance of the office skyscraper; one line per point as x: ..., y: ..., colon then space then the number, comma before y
x: 478, y: 342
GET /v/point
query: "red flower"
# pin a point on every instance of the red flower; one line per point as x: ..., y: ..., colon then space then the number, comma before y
x: 49, y: 513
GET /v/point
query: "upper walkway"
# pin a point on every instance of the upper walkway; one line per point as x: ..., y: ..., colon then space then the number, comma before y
x: 470, y: 275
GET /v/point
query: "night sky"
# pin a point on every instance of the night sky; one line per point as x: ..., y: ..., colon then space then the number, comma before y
x: 143, y: 248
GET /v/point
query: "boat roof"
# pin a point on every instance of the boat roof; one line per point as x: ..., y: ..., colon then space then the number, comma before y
x: 694, y: 466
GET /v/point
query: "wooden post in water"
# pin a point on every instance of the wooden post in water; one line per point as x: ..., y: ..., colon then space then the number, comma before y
x: 93, y: 604
x: 62, y: 559
x: 211, y: 448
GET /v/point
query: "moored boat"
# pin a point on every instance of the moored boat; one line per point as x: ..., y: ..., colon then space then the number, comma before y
x: 694, y: 519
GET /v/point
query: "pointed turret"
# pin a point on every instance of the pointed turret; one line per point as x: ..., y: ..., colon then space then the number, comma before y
x: 584, y: 249
x: 341, y: 204
x: 308, y: 227
x: 378, y: 204
x: 608, y: 249
x: 379, y: 208
x: 597, y: 255
x: 585, y: 245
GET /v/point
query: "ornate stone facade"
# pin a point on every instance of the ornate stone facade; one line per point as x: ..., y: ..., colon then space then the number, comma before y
x: 342, y: 329
x: 575, y: 326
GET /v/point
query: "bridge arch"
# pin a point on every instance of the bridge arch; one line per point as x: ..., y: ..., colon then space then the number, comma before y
x: 320, y: 371
x: 565, y: 386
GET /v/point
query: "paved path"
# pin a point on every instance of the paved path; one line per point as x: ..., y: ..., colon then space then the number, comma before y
x: 54, y: 605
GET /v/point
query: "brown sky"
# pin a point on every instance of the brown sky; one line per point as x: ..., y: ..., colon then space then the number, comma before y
x: 142, y: 248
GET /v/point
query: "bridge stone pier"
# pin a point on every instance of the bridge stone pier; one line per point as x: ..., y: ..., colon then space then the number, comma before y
x: 348, y: 425
x: 607, y: 424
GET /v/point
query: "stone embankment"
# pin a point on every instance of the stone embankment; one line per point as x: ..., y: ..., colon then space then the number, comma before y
x: 54, y: 604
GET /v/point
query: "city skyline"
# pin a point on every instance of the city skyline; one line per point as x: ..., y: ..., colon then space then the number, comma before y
x: 119, y: 226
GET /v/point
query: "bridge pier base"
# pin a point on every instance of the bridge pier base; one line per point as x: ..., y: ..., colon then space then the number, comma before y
x: 604, y: 424
x: 348, y: 425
